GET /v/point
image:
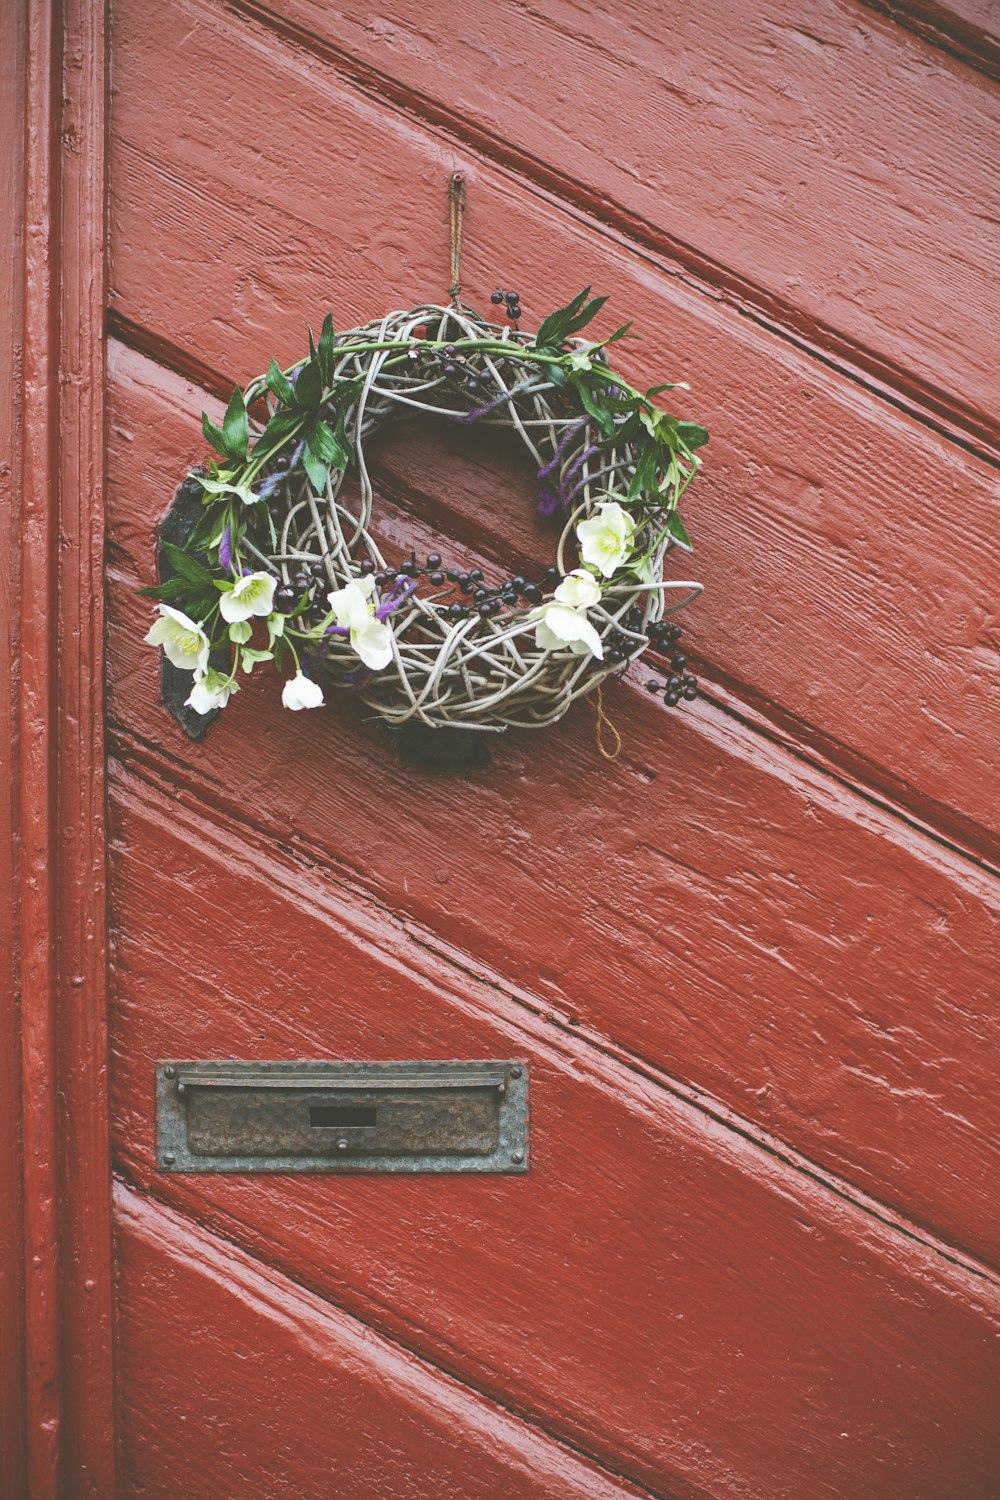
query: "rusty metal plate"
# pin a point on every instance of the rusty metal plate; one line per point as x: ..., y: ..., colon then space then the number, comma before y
x: 342, y: 1116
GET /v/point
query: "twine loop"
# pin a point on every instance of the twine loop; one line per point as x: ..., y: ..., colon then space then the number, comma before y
x: 456, y: 213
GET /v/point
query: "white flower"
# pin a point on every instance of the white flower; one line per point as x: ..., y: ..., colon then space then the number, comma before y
x: 211, y: 690
x: 560, y: 625
x: 579, y: 589
x: 301, y: 692
x: 253, y: 594
x: 183, y: 640
x: 354, y: 610
x: 606, y: 539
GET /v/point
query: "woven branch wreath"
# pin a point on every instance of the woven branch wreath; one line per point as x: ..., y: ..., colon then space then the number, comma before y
x: 279, y: 567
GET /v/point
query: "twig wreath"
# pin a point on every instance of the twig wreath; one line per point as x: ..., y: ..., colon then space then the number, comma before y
x: 280, y: 568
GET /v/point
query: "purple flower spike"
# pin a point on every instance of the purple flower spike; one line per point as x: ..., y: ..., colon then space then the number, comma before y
x: 401, y: 591
x: 226, y: 550
x: 548, y: 500
x: 567, y: 437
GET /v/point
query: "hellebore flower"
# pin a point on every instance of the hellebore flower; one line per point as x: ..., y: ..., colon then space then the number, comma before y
x: 354, y: 611
x: 253, y: 594
x: 579, y: 589
x: 606, y: 539
x: 211, y: 690
x: 184, y: 642
x: 301, y: 692
x: 560, y: 625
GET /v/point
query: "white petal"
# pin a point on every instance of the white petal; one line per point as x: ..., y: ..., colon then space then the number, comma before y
x: 210, y: 690
x: 559, y: 626
x: 184, y: 642
x: 350, y: 605
x: 579, y: 588
x: 253, y: 594
x: 372, y: 640
x: 301, y: 692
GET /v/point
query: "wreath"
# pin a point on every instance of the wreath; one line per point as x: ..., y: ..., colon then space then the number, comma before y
x: 281, y: 568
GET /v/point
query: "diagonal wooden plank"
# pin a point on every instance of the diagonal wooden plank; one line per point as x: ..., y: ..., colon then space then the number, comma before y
x: 806, y: 959
x: 846, y: 550
x: 231, y: 1376
x: 827, y: 171
x: 656, y: 1290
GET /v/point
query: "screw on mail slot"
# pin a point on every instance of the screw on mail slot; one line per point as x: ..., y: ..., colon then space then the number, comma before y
x: 408, y: 1116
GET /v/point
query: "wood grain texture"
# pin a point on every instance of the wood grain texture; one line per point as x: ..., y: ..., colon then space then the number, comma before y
x: 826, y: 170
x: 970, y: 29
x: 298, y: 1398
x: 657, y: 1290
x: 814, y: 964
x: 88, y: 1456
x: 833, y: 590
x: 36, y: 818
x: 53, y: 588
x: 12, y: 105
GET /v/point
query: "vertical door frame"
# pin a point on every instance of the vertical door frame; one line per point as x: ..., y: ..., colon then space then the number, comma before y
x: 54, y: 1135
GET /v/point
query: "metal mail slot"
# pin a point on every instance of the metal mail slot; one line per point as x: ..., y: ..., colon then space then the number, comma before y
x: 342, y: 1116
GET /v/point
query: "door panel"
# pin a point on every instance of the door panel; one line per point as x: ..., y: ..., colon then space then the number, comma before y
x: 645, y: 1246
x: 237, y: 1382
x: 870, y: 213
x: 767, y: 934
x: 751, y: 963
x: 834, y: 595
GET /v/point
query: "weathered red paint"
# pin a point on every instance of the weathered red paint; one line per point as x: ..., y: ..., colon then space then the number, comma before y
x: 215, y: 1341
x: 750, y: 963
x: 12, y: 1429
x: 651, y: 1254
x: 814, y: 545
x: 871, y: 254
x: 55, y: 1426
x: 757, y: 955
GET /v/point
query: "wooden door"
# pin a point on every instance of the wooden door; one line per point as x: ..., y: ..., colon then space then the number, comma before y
x: 752, y: 963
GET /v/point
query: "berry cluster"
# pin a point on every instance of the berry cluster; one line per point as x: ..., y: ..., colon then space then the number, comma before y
x: 512, y: 300
x: 455, y: 367
x: 289, y: 595
x: 479, y: 598
x: 679, y: 684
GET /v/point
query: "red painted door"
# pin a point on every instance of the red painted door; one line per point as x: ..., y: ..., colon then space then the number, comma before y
x: 751, y: 964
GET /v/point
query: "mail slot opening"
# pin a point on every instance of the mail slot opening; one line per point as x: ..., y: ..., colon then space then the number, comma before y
x: 342, y: 1114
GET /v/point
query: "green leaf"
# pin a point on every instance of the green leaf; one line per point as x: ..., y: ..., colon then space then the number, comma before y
x: 644, y: 477
x: 317, y: 469
x: 309, y: 386
x: 240, y: 632
x: 619, y: 333
x: 691, y: 435
x: 213, y: 434
x: 585, y: 316
x: 278, y: 382
x: 553, y: 328
x: 185, y: 565
x: 325, y: 350
x: 324, y: 444
x: 249, y: 657
x: 678, y: 530
x: 236, y: 426
x: 170, y: 589
x: 282, y: 425
x: 592, y: 406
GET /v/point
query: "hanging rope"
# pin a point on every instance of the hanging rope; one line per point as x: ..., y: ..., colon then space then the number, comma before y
x: 456, y: 211
x: 602, y: 724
